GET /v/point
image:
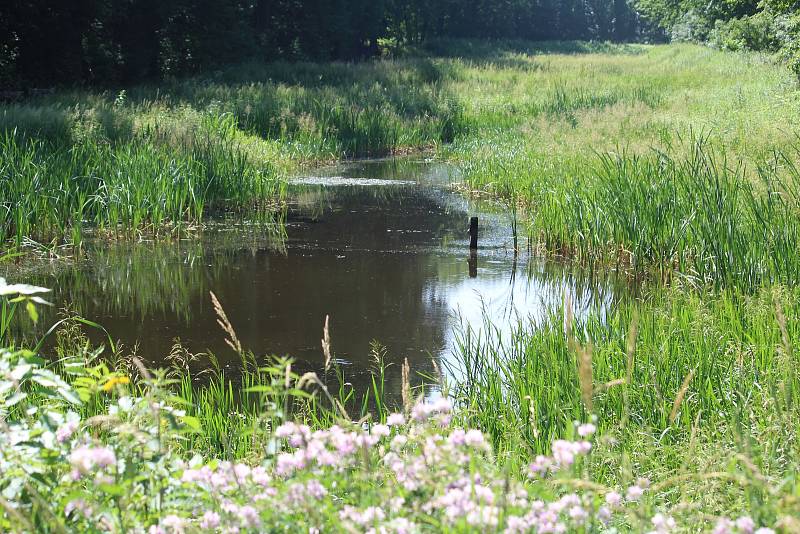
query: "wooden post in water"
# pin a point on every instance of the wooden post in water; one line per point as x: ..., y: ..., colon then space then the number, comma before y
x: 473, y: 247
x: 473, y: 263
x: 473, y: 233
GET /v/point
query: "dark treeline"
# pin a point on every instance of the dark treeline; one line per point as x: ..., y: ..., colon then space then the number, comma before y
x: 106, y: 42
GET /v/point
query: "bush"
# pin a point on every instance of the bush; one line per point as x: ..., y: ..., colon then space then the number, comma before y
x: 756, y: 32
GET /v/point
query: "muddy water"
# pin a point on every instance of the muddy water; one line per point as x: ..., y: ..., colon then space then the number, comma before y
x: 381, y: 247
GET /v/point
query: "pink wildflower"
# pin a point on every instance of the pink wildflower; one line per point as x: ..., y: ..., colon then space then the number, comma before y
x: 539, y: 466
x: 722, y: 526
x: 86, y: 459
x: 634, y: 493
x: 586, y: 430
x: 174, y: 524
x: 745, y: 524
x: 396, y: 419
x: 564, y: 452
x: 210, y: 520
x: 65, y: 431
x: 249, y: 516
x: 380, y: 430
x: 78, y: 505
x: 613, y: 498
x: 475, y: 439
x: 663, y: 524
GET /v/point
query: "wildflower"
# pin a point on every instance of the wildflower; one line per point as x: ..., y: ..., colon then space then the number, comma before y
x: 380, y: 430
x: 401, y: 525
x: 7, y: 289
x: 457, y: 437
x: 423, y: 411
x: 765, y: 530
x: 586, y: 430
x: 396, y: 419
x: 745, y: 524
x: 564, y: 452
x: 634, y: 493
x: 174, y: 524
x: 539, y: 466
x: 362, y: 518
x: 663, y: 524
x: 398, y: 442
x: 517, y: 525
x: 474, y: 438
x: 86, y: 459
x: 297, y: 435
x: 242, y: 471
x: 396, y: 504
x: 613, y: 498
x: 315, y: 489
x: 114, y: 381
x: 65, y: 431
x: 288, y: 462
x: 249, y: 516
x: 577, y: 514
x: 260, y: 476
x: 78, y: 505
x: 210, y: 520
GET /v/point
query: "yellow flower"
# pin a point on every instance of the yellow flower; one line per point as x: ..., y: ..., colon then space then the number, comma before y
x: 113, y: 381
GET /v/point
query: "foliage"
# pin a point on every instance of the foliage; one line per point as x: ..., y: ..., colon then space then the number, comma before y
x: 766, y: 26
x: 122, y: 470
x: 697, y: 217
x: 108, y: 42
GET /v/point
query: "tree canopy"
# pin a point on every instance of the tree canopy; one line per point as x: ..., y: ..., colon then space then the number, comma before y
x: 120, y: 41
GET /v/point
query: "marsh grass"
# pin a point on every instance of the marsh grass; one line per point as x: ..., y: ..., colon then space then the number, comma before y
x: 715, y: 358
x: 226, y: 138
x: 689, y: 212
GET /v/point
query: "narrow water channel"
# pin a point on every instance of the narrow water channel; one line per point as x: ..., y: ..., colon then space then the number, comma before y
x: 382, y: 247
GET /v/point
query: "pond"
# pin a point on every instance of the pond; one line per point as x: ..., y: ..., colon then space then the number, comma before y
x: 381, y: 247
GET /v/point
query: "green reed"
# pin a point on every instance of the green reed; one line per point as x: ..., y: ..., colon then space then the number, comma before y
x: 692, y: 213
x: 49, y: 190
x: 724, y: 357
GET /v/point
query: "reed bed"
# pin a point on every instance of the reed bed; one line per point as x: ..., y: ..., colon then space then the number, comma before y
x: 687, y: 212
x: 722, y: 355
x: 228, y: 137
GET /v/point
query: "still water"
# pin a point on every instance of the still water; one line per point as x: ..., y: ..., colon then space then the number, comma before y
x: 382, y: 247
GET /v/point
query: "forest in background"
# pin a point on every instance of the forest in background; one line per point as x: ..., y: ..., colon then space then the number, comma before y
x: 109, y: 42
x: 120, y: 42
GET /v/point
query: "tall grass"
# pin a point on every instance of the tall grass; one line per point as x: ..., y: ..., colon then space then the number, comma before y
x: 50, y: 191
x: 686, y: 211
x: 560, y: 101
x: 663, y: 366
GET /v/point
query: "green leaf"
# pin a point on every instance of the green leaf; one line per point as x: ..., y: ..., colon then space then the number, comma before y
x: 192, y: 422
x: 259, y: 389
x: 15, y: 398
x: 115, y: 490
x: 70, y: 395
x: 32, y: 313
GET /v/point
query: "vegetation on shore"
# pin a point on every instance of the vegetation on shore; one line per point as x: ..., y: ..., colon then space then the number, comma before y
x: 153, y: 156
x: 676, y: 164
x: 93, y: 449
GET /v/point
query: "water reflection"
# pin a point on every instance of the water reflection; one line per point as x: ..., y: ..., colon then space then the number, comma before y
x: 388, y: 259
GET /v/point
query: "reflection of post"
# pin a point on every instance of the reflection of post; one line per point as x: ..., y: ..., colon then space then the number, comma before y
x: 473, y: 263
x: 473, y: 233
